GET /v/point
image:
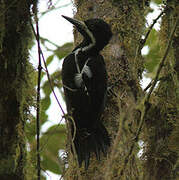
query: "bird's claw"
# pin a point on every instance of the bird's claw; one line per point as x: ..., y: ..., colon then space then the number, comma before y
x: 110, y: 91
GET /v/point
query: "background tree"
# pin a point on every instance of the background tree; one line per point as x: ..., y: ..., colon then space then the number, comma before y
x: 161, y: 128
x: 17, y: 89
x: 16, y: 86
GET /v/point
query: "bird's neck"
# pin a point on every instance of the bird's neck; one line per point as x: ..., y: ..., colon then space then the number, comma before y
x: 93, y: 51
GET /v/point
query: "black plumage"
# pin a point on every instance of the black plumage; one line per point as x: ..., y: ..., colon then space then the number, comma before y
x: 84, y: 80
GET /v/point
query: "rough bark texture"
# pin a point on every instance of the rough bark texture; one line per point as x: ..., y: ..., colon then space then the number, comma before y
x: 122, y: 115
x: 15, y: 91
x: 124, y: 70
x: 162, y: 122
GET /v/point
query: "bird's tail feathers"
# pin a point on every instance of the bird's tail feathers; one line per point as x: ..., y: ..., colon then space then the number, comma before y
x: 91, y: 141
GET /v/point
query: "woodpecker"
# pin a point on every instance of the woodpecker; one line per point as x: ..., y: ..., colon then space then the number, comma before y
x: 84, y: 79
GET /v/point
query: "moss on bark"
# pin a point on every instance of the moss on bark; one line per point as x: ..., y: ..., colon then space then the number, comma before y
x: 125, y: 66
x: 15, y: 87
x: 124, y: 71
x: 162, y: 122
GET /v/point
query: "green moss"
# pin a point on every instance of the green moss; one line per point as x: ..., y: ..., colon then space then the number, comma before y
x: 127, y: 21
x: 16, y: 87
x: 1, y: 24
x: 162, y: 127
x: 7, y: 165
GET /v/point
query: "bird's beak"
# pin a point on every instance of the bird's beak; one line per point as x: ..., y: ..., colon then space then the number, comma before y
x: 78, y: 24
x: 83, y: 29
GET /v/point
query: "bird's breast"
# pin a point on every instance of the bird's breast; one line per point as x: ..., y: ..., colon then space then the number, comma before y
x: 84, y: 72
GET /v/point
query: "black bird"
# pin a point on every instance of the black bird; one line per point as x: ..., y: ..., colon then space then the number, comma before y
x: 84, y: 80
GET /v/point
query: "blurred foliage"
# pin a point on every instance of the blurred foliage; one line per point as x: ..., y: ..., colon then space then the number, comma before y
x: 158, y: 2
x: 52, y: 141
x: 152, y: 59
x: 154, y: 55
x: 54, y: 138
x: 62, y: 51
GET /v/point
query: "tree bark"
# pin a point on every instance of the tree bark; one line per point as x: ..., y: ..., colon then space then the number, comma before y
x: 15, y: 87
x: 162, y: 122
x: 129, y: 109
x: 125, y: 66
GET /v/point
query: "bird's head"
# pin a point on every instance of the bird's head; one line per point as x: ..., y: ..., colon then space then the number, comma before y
x: 94, y: 31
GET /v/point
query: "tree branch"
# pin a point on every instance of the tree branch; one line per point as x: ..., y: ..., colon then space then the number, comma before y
x: 162, y: 61
x: 47, y: 40
x: 53, y: 8
x: 143, y: 41
x: 144, y: 104
x: 150, y: 28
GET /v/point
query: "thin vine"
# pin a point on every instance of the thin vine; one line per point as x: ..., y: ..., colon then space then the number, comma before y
x: 38, y: 100
x: 65, y: 116
x: 143, y: 107
x: 143, y: 41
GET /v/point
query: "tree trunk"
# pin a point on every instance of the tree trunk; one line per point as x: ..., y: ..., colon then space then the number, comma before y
x: 15, y: 87
x: 124, y: 65
x: 162, y: 122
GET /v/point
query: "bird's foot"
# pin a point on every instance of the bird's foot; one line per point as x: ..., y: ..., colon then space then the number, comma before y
x: 110, y: 91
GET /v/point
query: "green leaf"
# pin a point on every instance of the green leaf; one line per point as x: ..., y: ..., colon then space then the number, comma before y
x: 51, y: 165
x: 64, y: 50
x: 157, y: 1
x: 56, y: 79
x: 45, y: 104
x: 152, y: 38
x: 46, y: 101
x: 30, y: 129
x: 152, y: 59
x: 49, y: 59
x: 51, y: 142
x: 57, y: 137
x: 46, y: 88
x: 42, y: 75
